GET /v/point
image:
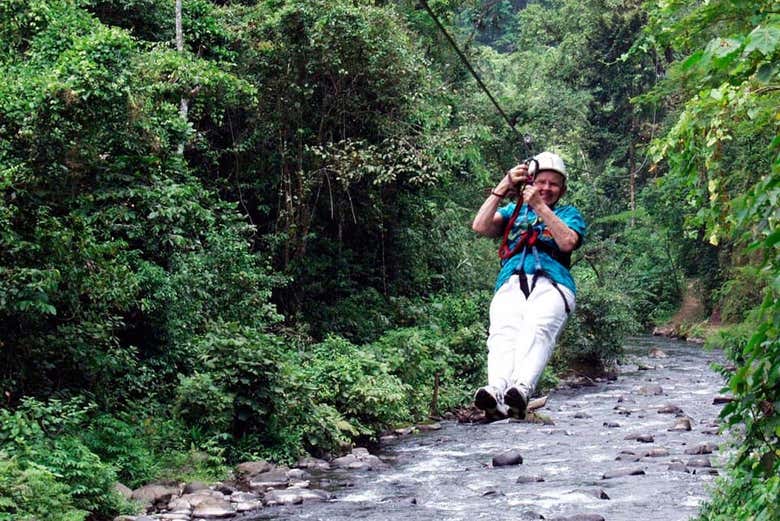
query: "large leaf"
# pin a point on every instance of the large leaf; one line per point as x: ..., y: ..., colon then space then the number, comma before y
x: 763, y: 39
x: 722, y: 47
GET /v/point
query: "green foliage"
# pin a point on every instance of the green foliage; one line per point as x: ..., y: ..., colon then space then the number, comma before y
x: 358, y: 383
x: 42, y: 442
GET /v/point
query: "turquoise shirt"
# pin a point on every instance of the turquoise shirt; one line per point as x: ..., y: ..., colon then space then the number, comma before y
x: 527, y: 218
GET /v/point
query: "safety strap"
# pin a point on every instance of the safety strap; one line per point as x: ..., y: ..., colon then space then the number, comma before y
x: 538, y: 272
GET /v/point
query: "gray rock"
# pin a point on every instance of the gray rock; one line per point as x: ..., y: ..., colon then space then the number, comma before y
x: 580, y: 517
x: 657, y: 353
x: 651, y: 390
x: 682, y: 424
x: 643, y: 438
x: 428, y: 427
x: 529, y: 479
x: 699, y: 462
x: 493, y: 492
x: 295, y: 496
x: 657, y: 452
x: 276, y: 478
x: 313, y: 463
x: 703, y: 448
x: 720, y: 400
x: 124, y: 490
x: 611, y: 425
x: 247, y: 470
x: 596, y: 492
x: 510, y: 457
x: 622, y: 473
x: 678, y: 467
x: 151, y: 494
x: 213, y: 508
x: 195, y: 486
x: 669, y: 409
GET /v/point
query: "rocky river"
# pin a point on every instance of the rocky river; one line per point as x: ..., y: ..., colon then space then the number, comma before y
x: 643, y: 446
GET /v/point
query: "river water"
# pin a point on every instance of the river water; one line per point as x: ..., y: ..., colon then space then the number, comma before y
x: 448, y: 474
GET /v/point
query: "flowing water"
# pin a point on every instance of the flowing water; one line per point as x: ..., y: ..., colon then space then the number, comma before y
x: 448, y: 474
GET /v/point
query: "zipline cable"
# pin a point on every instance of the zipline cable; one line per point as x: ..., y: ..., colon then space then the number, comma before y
x: 473, y: 72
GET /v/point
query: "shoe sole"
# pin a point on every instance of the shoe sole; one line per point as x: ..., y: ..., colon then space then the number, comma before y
x: 485, y: 401
x: 516, y: 402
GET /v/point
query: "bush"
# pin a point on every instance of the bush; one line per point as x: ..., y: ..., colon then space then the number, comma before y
x: 595, y: 333
x: 41, y: 445
x: 357, y: 383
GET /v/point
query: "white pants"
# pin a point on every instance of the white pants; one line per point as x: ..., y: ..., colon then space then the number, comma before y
x: 523, y: 331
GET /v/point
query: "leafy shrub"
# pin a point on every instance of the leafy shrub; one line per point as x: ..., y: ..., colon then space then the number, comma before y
x: 595, y: 332
x: 44, y: 446
x: 357, y: 383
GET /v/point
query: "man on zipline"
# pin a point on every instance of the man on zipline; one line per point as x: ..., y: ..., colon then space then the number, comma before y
x: 534, y: 291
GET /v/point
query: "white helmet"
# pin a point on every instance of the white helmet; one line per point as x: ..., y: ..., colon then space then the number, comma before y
x: 550, y: 161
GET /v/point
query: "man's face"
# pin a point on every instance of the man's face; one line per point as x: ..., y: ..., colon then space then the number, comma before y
x: 550, y: 186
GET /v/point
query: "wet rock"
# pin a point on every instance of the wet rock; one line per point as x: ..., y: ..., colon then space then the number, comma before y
x: 295, y: 496
x: 622, y: 473
x: 642, y: 438
x: 657, y: 452
x: 404, y: 431
x: 706, y: 472
x: 213, y: 508
x: 530, y: 515
x: 529, y: 479
x: 611, y: 425
x: 720, y: 400
x: 682, y: 424
x: 650, y: 390
x: 669, y: 409
x: 510, y: 457
x: 312, y: 463
x: 224, y: 488
x: 596, y: 492
x: 275, y: 478
x: 582, y: 415
x: 657, y: 353
x: 629, y: 456
x: 189, y: 488
x: 678, y: 467
x: 492, y: 492
x: 149, y: 495
x: 359, y: 459
x: 703, y: 461
x: 703, y: 448
x: 580, y: 517
x: 428, y: 427
x: 247, y: 470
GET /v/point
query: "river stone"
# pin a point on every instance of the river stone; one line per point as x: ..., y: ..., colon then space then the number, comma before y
x: 151, y: 494
x: 597, y: 492
x: 493, y: 492
x: 669, y: 409
x: 720, y: 400
x: 703, y: 448
x: 642, y: 438
x: 189, y: 488
x: 248, y: 470
x: 582, y: 415
x: 173, y: 516
x: 529, y: 479
x: 657, y: 452
x: 275, y: 478
x: 651, y: 390
x: 213, y: 508
x: 678, y: 467
x: 428, y: 427
x: 530, y: 515
x: 580, y: 517
x: 125, y: 491
x: 611, y: 425
x: 703, y: 461
x: 510, y: 457
x: 682, y: 424
x: 312, y: 463
x: 657, y: 353
x: 622, y: 473
x: 294, y: 496
x: 706, y: 472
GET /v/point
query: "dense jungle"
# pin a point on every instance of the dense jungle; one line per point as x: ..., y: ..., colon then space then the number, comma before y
x: 236, y: 229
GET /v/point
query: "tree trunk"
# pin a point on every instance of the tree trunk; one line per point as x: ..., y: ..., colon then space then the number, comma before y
x: 184, y: 102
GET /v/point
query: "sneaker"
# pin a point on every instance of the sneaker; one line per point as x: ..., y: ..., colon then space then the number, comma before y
x: 490, y: 400
x: 516, y: 401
